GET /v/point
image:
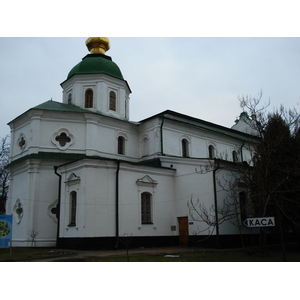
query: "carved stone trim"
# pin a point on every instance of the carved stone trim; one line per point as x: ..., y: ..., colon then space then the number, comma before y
x: 18, y: 211
x: 63, y: 139
x: 146, y: 181
x: 72, y: 179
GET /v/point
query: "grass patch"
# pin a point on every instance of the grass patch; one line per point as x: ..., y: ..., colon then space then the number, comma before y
x: 53, y: 254
x: 200, y: 256
x: 31, y: 254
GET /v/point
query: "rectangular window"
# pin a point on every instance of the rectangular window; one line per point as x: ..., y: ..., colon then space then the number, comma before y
x: 73, y: 207
x: 184, y: 144
x: 121, y: 145
x: 89, y: 95
x: 112, y: 101
x: 146, y: 208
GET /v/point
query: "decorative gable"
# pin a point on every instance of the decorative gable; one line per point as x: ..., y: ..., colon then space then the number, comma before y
x: 146, y: 181
x: 72, y: 179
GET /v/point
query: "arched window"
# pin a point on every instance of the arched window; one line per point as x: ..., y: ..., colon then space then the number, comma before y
x: 211, y: 151
x: 185, y: 148
x: 146, y: 212
x: 121, y: 145
x: 88, y: 100
x: 73, y: 208
x: 70, y: 98
x: 112, y: 100
x: 235, y: 158
x: 243, y: 205
x: 22, y: 142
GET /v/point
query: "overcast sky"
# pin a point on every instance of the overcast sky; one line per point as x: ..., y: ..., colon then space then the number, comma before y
x: 200, y: 77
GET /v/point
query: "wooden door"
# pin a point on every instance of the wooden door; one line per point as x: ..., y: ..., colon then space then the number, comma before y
x: 183, y: 230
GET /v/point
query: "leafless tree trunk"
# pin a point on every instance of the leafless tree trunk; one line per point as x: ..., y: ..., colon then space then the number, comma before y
x: 33, y: 234
x: 4, y: 174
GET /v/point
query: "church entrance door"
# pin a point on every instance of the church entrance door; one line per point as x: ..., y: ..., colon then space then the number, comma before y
x: 183, y: 230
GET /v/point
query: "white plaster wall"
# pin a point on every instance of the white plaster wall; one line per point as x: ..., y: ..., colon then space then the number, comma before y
x: 97, y: 135
x: 194, y: 179
x: 19, y: 190
x: 93, y: 134
x: 193, y: 183
x: 102, y: 85
x: 46, y: 187
x: 95, y: 200
x: 150, y: 129
x: 163, y: 209
x: 96, y: 212
x: 199, y: 141
x: 54, y: 122
x: 36, y: 186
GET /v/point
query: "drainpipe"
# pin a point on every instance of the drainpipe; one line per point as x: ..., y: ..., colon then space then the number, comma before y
x: 58, y: 204
x: 117, y: 204
x: 216, y: 205
x: 161, y: 136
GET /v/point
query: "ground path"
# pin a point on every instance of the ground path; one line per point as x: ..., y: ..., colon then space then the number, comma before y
x: 76, y: 255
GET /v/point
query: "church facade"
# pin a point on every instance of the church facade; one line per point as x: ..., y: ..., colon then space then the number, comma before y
x: 82, y: 173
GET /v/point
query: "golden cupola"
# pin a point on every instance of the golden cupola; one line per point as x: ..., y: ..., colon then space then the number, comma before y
x: 97, y: 62
x: 97, y: 45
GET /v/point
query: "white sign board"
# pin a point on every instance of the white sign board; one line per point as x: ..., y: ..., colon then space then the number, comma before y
x: 259, y: 222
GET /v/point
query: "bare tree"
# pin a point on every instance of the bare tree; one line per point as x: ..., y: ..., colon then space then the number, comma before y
x: 4, y: 174
x: 228, y: 209
x: 126, y: 241
x: 270, y: 179
x: 33, y: 234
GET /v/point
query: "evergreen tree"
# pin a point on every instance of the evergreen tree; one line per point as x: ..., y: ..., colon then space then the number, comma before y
x: 275, y: 180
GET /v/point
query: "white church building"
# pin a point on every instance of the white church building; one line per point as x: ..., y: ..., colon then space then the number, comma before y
x: 83, y: 174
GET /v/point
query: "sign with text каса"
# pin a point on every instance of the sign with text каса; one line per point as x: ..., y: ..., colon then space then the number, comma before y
x: 259, y: 222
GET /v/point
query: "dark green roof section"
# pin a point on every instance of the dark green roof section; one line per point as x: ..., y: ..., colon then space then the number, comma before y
x: 49, y: 155
x: 69, y: 158
x: 155, y: 162
x: 53, y: 105
x: 97, y: 64
x: 171, y: 115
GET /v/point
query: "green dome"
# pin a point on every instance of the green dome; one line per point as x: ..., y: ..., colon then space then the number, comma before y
x: 97, y: 64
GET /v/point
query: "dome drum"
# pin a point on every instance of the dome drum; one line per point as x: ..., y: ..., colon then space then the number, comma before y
x: 100, y: 75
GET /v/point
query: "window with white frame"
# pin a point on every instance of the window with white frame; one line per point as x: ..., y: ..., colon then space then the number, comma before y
x: 185, y: 147
x: 146, y: 205
x: 89, y: 98
x: 73, y: 208
x: 211, y: 151
x: 112, y: 101
x: 121, y: 145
